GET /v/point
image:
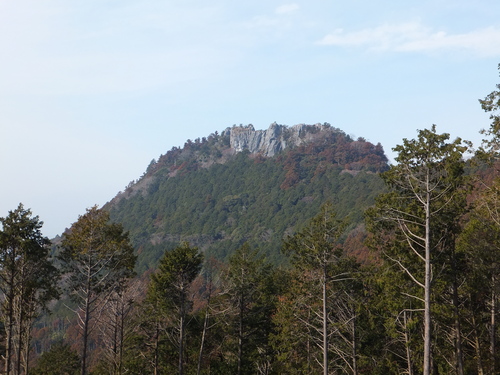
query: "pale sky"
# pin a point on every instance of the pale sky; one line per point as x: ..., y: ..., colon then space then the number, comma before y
x: 92, y: 90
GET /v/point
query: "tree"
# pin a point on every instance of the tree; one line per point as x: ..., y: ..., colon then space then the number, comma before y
x: 480, y: 244
x: 59, y: 360
x: 96, y: 256
x: 116, y: 324
x: 246, y: 287
x: 211, y: 281
x: 27, y: 282
x: 346, y: 317
x: 420, y: 211
x: 316, y: 252
x: 145, y: 347
x: 480, y: 241
x: 169, y: 289
x: 491, y: 103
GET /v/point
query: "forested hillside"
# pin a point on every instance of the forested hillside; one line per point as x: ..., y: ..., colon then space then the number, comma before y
x: 287, y: 251
x: 218, y: 198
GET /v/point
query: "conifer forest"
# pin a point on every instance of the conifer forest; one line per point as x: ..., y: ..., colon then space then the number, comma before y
x: 291, y: 251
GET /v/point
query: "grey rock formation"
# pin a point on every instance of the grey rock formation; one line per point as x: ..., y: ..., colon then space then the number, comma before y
x: 273, y: 140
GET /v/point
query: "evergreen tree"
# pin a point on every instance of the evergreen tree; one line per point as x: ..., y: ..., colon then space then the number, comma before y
x: 59, y: 360
x: 211, y: 283
x: 27, y: 283
x: 421, y: 212
x: 479, y: 244
x: 247, y: 286
x: 316, y: 252
x: 491, y: 104
x: 96, y: 256
x: 170, y: 290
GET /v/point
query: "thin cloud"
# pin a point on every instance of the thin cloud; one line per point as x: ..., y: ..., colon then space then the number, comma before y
x: 415, y: 37
x: 278, y: 22
x: 287, y: 8
x: 128, y: 48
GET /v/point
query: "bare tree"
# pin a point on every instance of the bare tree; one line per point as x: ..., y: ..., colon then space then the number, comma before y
x: 115, y: 323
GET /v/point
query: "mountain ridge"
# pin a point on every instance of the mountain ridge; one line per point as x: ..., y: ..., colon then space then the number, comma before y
x: 247, y: 185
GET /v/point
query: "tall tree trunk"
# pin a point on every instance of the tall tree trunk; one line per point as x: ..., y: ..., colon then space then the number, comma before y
x: 459, y: 361
x: 181, y: 345
x: 20, y: 334
x: 181, y: 331
x: 85, y: 338
x: 115, y: 337
x: 407, y: 344
x: 493, y: 328
x: 121, y: 337
x: 354, y: 346
x: 10, y: 328
x: 309, y: 360
x: 325, y: 325
x: 240, y: 336
x: 427, y: 286
x: 203, y: 334
x: 477, y: 347
x: 26, y: 350
x: 156, y: 351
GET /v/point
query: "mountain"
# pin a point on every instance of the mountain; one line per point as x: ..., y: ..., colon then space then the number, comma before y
x: 247, y: 185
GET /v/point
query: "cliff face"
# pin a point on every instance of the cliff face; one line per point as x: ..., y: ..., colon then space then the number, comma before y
x: 273, y: 140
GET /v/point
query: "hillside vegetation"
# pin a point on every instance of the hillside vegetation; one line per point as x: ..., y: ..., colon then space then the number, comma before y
x: 216, y: 198
x: 247, y: 253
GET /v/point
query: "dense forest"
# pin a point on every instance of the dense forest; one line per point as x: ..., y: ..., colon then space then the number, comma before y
x: 217, y: 200
x: 319, y: 259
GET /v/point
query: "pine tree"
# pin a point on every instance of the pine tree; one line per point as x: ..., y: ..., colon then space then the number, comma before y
x: 420, y: 212
x: 491, y: 104
x: 27, y: 282
x: 316, y: 252
x: 59, y: 360
x: 169, y: 290
x: 96, y: 256
x: 246, y: 288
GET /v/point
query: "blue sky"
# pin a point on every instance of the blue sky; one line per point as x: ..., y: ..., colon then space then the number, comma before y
x: 92, y: 90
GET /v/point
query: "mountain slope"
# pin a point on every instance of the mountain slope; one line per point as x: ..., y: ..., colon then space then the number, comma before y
x: 247, y: 186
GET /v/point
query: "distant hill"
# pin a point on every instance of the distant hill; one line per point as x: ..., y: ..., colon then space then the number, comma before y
x: 247, y: 185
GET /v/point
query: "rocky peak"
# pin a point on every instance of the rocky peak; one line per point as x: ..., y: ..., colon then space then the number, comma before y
x: 273, y: 140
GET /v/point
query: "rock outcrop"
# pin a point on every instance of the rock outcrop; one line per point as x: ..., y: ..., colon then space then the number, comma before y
x: 273, y: 140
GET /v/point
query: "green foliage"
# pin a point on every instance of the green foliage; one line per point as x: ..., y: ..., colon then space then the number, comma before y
x: 354, y: 320
x: 95, y: 253
x: 24, y: 254
x: 479, y: 246
x: 169, y: 292
x: 415, y: 225
x: 428, y: 183
x: 97, y: 257
x: 432, y: 281
x: 177, y: 269
x: 249, y: 289
x: 231, y: 200
x: 59, y: 360
x: 28, y: 282
x: 323, y: 301
x: 491, y: 104
x: 316, y: 246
